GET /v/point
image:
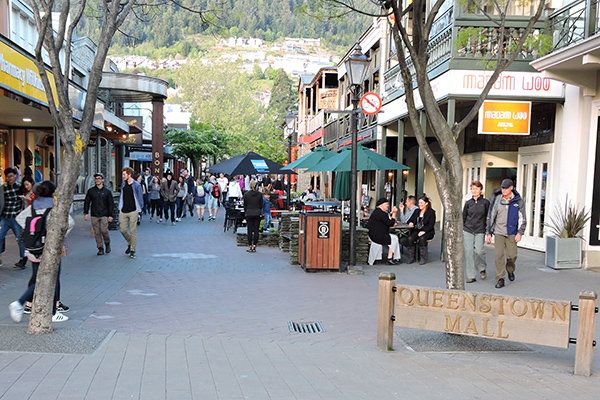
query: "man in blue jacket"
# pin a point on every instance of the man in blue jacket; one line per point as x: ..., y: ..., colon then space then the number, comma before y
x: 507, y: 222
x: 131, y: 203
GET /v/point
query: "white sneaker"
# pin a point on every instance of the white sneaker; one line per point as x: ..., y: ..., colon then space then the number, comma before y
x: 58, y: 317
x: 16, y: 311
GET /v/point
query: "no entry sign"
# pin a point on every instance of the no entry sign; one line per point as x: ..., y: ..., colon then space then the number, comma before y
x: 371, y: 103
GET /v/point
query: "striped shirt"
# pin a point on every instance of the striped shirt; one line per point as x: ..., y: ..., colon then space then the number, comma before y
x: 13, y: 204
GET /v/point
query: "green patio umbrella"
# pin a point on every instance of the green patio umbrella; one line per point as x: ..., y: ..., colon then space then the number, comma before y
x: 311, y: 159
x: 367, y: 160
x: 341, y: 186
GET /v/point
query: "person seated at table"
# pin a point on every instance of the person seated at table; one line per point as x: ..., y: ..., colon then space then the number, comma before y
x: 407, y: 211
x: 379, y: 225
x: 308, y: 195
x: 422, y: 229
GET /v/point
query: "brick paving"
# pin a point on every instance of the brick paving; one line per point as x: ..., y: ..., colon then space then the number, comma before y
x: 195, y: 317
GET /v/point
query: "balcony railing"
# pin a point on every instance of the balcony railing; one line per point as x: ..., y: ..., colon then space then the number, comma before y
x: 482, y: 43
x: 311, y: 123
x: 340, y: 128
x: 574, y: 23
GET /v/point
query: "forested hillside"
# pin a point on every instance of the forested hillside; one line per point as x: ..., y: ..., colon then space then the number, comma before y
x: 265, y: 19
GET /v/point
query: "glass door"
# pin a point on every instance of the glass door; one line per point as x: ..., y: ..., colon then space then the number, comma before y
x: 533, y: 185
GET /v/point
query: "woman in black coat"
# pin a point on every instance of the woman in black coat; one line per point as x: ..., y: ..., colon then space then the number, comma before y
x: 253, y: 201
x: 422, y: 224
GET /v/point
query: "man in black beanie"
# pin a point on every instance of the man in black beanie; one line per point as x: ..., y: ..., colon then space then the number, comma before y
x: 379, y: 229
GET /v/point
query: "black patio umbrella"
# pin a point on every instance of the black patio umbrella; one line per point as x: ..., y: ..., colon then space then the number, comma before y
x: 248, y: 164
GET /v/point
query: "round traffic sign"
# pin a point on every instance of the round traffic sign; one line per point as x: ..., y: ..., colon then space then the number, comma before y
x: 371, y: 103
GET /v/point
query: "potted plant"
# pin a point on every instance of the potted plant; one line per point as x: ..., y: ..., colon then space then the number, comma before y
x: 564, y: 246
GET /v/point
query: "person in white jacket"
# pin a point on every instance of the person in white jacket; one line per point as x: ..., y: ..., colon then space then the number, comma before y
x: 45, y: 200
x: 234, y: 191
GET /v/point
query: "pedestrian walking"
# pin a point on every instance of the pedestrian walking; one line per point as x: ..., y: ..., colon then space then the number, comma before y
x: 147, y: 177
x: 168, y: 191
x: 475, y: 214
x: 266, y: 210
x: 11, y: 205
x: 200, y: 199
x: 223, y: 183
x: 422, y: 225
x: 142, y: 183
x: 212, y: 201
x: 130, y: 205
x: 191, y: 190
x: 27, y: 193
x: 181, y: 197
x: 507, y: 222
x: 99, y: 204
x: 36, y: 228
x: 253, y: 203
x: 156, y: 203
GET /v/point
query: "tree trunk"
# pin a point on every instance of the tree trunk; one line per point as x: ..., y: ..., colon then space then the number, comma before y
x: 453, y: 237
x: 57, y: 226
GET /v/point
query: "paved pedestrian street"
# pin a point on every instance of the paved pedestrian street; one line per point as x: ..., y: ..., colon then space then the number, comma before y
x: 195, y: 317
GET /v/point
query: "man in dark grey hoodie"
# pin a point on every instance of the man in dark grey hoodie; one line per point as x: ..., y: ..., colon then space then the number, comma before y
x: 474, y: 223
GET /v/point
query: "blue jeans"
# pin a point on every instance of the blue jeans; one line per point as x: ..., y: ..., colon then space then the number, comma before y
x: 11, y: 224
x: 267, y: 221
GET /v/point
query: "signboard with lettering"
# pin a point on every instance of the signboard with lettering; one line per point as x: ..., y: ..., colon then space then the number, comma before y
x: 520, y: 319
x: 19, y: 74
x: 327, y: 99
x: 260, y: 166
x: 504, y: 118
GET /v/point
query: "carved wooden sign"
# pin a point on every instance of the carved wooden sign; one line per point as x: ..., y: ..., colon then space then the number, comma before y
x: 519, y: 319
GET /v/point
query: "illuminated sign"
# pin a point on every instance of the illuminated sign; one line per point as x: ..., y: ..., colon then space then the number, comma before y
x: 504, y: 118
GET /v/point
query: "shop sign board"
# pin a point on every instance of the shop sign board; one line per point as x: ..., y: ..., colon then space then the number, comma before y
x: 504, y: 118
x: 519, y: 319
x: 18, y: 73
x: 469, y: 84
x: 327, y: 99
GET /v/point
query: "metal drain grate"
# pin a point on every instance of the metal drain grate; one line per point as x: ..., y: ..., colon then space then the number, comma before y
x: 306, y: 327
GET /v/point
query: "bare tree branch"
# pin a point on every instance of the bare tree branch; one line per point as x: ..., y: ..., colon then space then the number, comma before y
x: 501, y: 66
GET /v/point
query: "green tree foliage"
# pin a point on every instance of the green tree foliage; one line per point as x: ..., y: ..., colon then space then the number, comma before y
x: 201, y: 141
x: 283, y: 97
x: 266, y: 19
x: 230, y: 99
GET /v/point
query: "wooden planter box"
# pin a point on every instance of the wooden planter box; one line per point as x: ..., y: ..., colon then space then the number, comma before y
x: 563, y: 253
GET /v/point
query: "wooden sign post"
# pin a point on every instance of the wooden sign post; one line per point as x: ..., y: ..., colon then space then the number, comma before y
x: 511, y: 318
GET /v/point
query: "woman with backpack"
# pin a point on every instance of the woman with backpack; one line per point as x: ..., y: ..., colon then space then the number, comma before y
x: 212, y: 197
x: 200, y: 199
x: 34, y: 233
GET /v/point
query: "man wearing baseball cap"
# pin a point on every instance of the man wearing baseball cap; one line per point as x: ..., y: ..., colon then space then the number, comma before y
x: 507, y: 222
x: 100, y: 200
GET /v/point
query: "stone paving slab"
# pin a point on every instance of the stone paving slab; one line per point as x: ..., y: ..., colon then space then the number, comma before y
x: 198, y: 318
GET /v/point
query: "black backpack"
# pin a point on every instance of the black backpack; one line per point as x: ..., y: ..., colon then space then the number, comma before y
x: 34, y: 232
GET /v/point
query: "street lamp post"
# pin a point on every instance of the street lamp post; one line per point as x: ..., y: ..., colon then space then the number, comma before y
x: 356, y: 68
x: 290, y: 129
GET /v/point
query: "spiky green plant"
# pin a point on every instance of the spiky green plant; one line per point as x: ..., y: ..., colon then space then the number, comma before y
x: 568, y: 220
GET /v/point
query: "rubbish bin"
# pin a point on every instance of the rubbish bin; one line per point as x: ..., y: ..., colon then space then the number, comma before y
x: 319, y: 241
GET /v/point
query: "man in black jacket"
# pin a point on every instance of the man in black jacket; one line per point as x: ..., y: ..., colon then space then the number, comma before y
x: 475, y: 215
x: 100, y: 200
x: 379, y: 229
